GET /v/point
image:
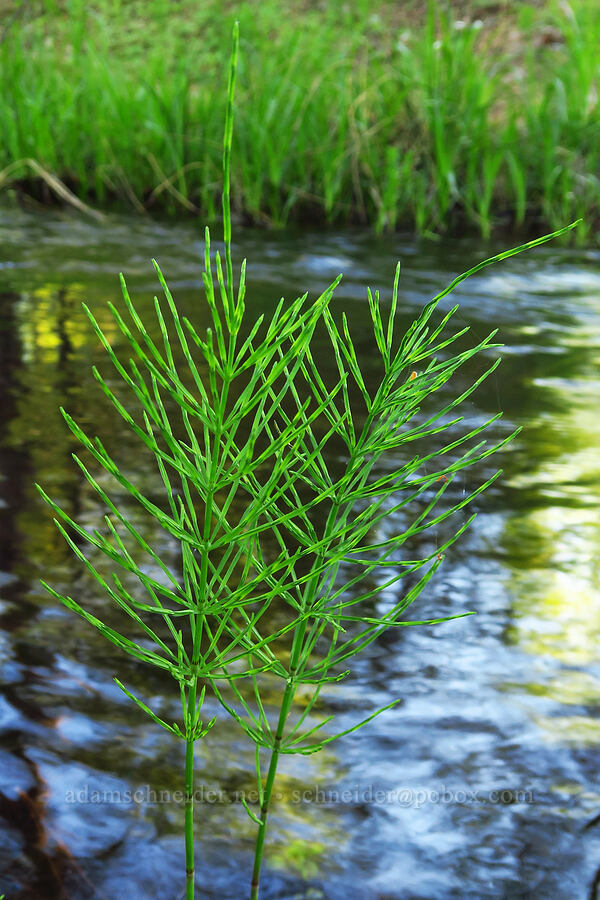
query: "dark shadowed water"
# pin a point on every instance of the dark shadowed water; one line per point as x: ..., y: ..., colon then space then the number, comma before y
x: 484, y: 782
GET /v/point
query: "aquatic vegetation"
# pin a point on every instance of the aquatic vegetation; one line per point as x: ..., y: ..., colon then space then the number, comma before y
x: 276, y: 546
x: 372, y: 115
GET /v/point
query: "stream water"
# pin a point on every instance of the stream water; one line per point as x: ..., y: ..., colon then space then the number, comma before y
x: 483, y: 783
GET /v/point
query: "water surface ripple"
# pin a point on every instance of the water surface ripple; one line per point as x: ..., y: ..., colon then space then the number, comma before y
x: 483, y: 783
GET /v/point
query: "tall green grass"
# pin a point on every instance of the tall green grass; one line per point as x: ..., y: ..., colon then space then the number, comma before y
x: 352, y: 113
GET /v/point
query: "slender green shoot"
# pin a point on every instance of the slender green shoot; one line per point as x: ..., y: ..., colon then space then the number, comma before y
x: 282, y: 558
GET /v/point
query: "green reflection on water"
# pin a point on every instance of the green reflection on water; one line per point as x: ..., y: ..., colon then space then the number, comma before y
x: 553, y: 547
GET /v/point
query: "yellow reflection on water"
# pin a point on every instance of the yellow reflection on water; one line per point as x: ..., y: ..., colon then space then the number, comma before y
x: 49, y: 318
x: 555, y: 584
x: 558, y: 615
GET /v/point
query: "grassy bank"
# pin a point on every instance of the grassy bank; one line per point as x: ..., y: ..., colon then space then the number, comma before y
x: 406, y: 118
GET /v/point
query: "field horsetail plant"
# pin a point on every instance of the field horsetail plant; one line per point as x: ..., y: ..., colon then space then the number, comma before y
x: 274, y: 545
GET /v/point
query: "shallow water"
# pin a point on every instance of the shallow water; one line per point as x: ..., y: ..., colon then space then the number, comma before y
x: 483, y: 783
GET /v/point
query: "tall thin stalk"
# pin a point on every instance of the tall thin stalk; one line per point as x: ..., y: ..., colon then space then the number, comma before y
x: 240, y: 423
x: 189, y: 819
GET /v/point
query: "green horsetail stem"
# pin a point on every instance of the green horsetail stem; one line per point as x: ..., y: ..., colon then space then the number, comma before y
x: 240, y: 435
